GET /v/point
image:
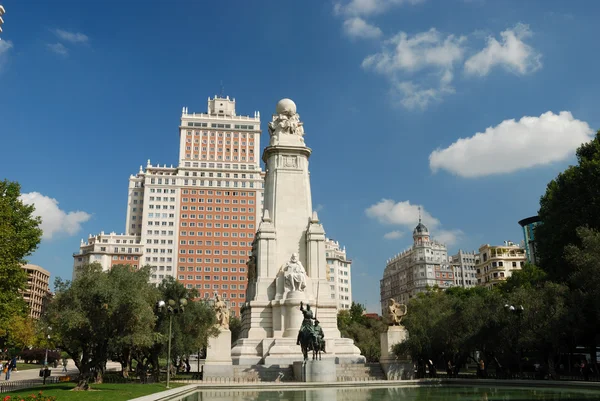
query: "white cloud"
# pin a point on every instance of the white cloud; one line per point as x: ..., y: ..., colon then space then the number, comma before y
x: 73, y: 37
x: 448, y: 237
x: 369, y: 7
x: 413, y: 96
x: 54, y: 220
x: 428, y: 49
x: 400, y: 213
x: 510, y: 52
x: 404, y: 55
x: 5, y: 46
x: 405, y: 214
x: 358, y: 28
x: 513, y: 145
x: 393, y: 234
x: 58, y: 48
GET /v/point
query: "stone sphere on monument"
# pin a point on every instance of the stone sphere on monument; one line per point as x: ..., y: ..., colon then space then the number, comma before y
x: 286, y: 106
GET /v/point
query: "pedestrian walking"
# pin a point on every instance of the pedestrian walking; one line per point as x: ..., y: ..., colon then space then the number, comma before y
x: 64, y: 364
x: 8, y: 368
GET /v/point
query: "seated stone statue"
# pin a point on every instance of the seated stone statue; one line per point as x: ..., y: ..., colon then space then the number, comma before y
x: 294, y: 274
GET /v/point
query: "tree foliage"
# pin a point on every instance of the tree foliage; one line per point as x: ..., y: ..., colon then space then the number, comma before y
x: 585, y: 284
x: 571, y: 200
x: 101, y: 312
x: 19, y: 237
x: 452, y: 325
x: 365, y: 331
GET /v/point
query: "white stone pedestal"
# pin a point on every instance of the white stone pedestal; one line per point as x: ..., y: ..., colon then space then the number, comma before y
x: 218, y: 356
x: 395, y: 368
x: 315, y: 371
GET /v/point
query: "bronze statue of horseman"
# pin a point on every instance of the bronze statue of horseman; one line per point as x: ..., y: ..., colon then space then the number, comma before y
x: 310, y: 336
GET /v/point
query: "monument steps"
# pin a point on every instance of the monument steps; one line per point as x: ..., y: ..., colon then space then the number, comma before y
x: 260, y: 373
x: 359, y: 372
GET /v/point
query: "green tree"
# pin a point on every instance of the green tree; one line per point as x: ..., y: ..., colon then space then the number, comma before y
x: 571, y: 200
x: 20, y: 235
x: 191, y: 328
x: 585, y: 287
x: 365, y: 331
x: 100, y: 312
x: 527, y: 277
x: 452, y: 324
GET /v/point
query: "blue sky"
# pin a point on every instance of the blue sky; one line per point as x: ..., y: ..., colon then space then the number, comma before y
x: 90, y: 90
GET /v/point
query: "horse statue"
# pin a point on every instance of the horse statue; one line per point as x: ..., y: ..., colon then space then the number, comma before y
x: 310, y: 336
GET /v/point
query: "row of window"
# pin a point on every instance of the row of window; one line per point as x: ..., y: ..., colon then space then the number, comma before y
x: 217, y: 225
x: 212, y: 157
x: 208, y: 269
x: 234, y: 166
x: 213, y: 278
x: 212, y: 150
x: 207, y: 260
x: 216, y: 217
x: 211, y: 252
x: 216, y: 234
x: 160, y: 190
x: 164, y: 199
x: 216, y: 243
x: 212, y: 183
x: 222, y: 126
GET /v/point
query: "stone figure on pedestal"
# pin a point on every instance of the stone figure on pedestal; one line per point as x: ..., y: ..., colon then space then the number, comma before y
x: 294, y: 274
x: 286, y: 121
x: 396, y: 311
x: 222, y: 313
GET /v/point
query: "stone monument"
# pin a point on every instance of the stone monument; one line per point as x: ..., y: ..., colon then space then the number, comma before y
x: 395, y: 368
x: 287, y: 266
x: 218, y: 362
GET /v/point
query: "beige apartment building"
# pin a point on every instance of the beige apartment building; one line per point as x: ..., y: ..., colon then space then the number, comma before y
x: 37, y: 290
x: 496, y: 263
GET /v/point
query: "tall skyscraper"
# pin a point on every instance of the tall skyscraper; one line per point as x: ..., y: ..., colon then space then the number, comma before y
x: 196, y: 222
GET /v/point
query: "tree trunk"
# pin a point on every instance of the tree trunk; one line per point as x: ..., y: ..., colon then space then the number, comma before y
x: 83, y: 383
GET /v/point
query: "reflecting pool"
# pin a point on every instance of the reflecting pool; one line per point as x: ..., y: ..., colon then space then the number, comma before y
x: 397, y: 394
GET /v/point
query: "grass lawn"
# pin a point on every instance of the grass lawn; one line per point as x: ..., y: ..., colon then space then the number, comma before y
x: 98, y: 392
x: 29, y: 366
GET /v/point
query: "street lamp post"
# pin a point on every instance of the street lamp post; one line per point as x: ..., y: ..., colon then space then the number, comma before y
x: 171, y: 309
x: 44, y: 372
x: 518, y: 310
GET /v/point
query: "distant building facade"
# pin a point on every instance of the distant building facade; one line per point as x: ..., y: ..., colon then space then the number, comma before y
x: 109, y: 250
x: 497, y: 263
x: 340, y: 273
x: 528, y: 226
x: 37, y: 290
x: 463, y: 265
x: 424, y: 264
x: 194, y: 221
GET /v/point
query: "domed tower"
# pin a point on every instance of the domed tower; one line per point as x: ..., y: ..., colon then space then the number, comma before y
x: 421, y: 232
